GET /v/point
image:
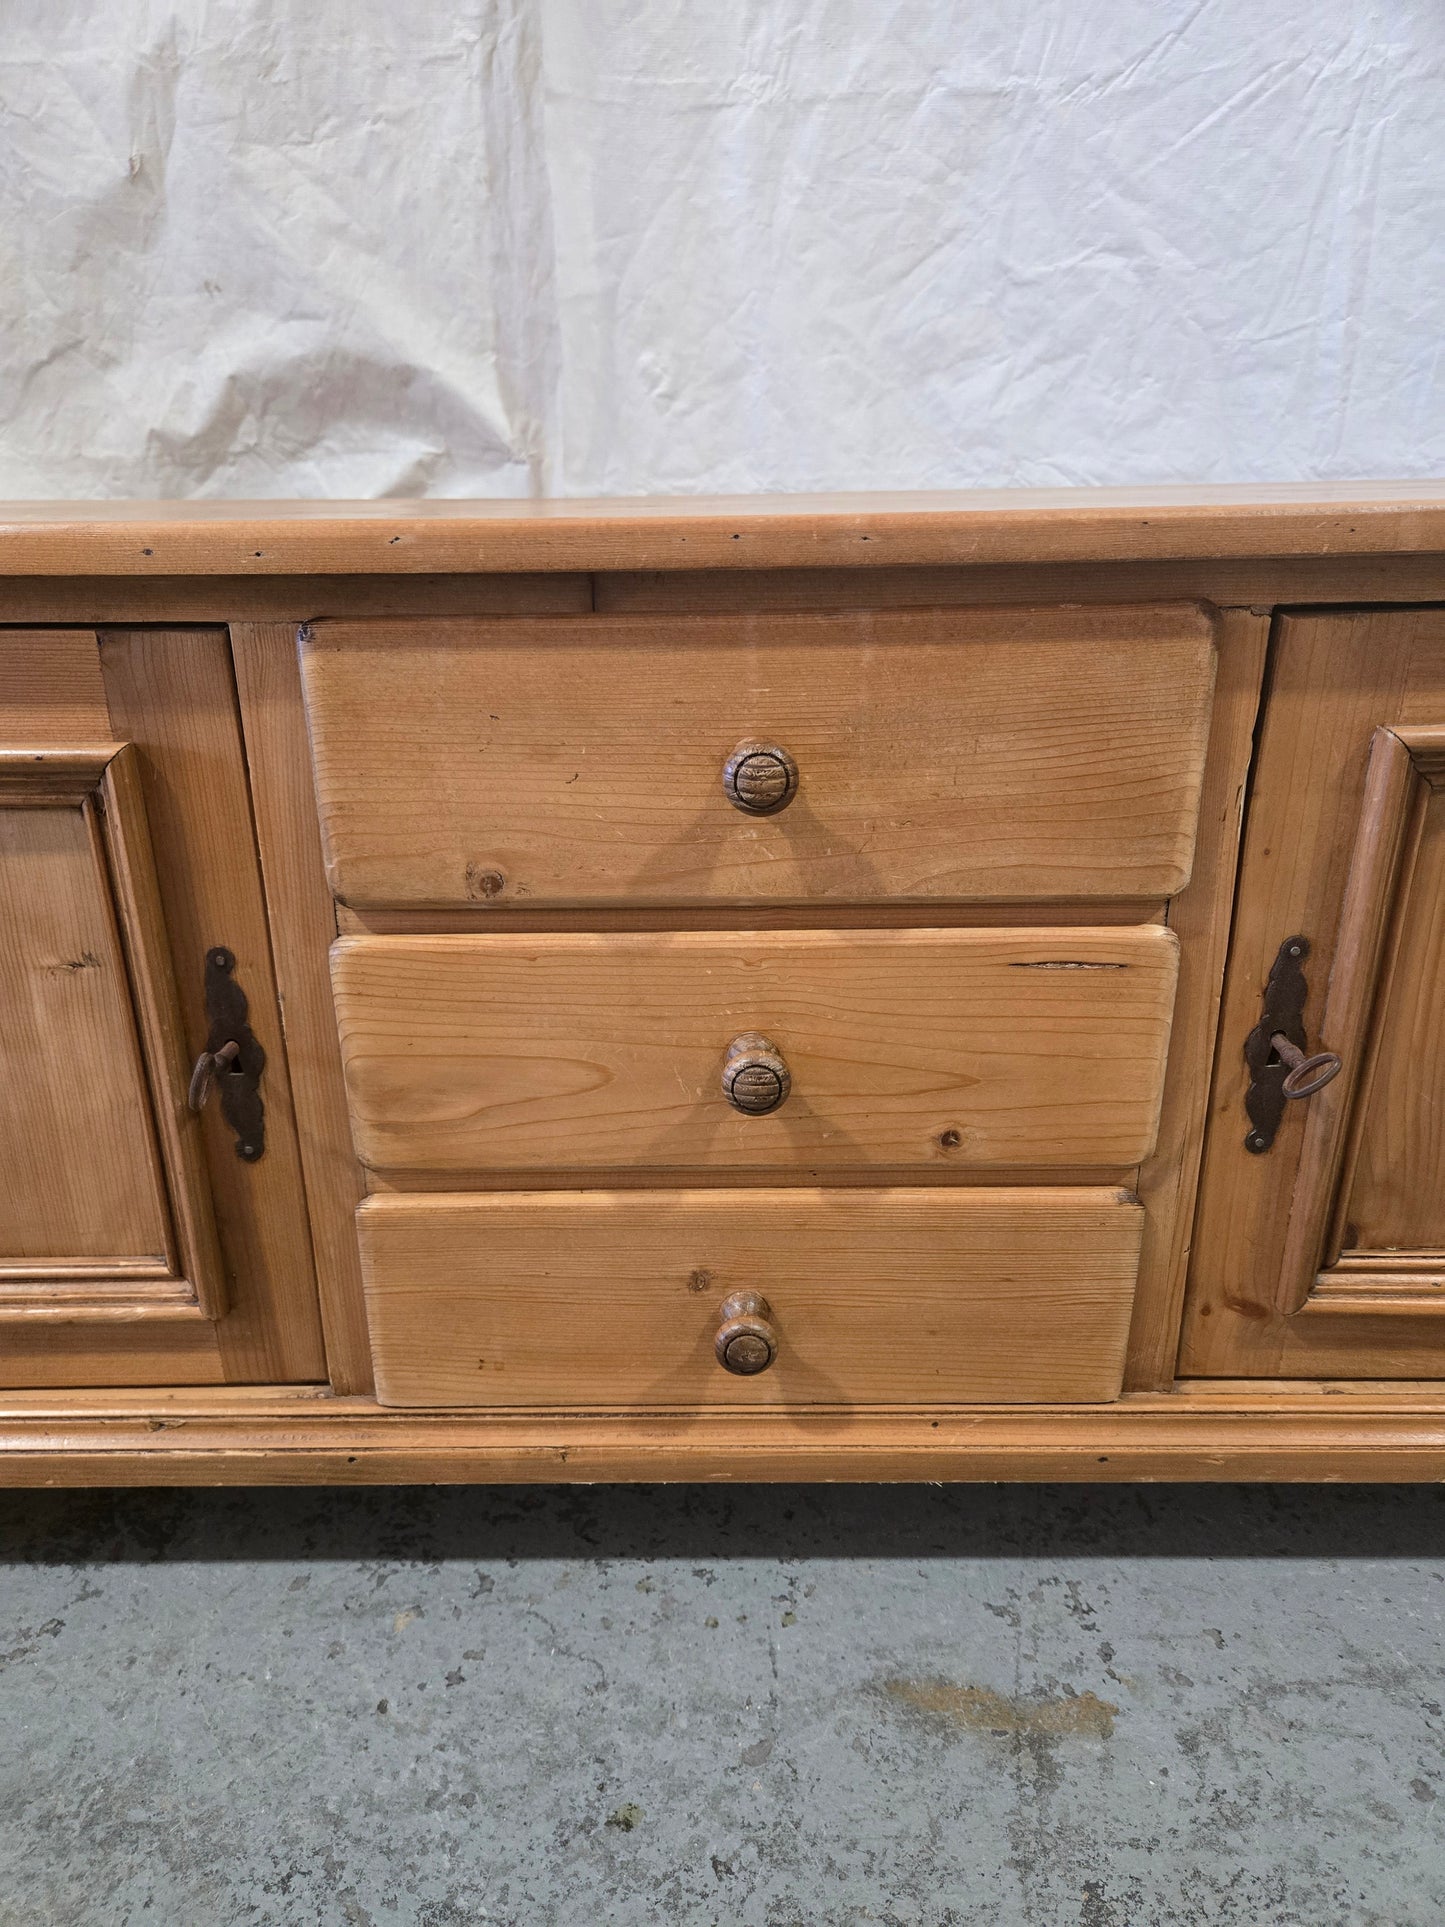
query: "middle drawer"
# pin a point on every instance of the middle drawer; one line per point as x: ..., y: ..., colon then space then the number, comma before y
x: 974, y: 1048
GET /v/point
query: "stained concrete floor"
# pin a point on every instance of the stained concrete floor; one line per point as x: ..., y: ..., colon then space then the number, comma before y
x: 785, y: 1707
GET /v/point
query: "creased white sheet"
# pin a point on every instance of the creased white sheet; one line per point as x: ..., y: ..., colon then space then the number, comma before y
x: 482, y: 247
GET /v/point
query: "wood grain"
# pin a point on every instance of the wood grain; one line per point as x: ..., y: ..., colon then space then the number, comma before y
x: 1389, y: 825
x: 119, y: 1317
x: 942, y: 755
x: 1393, y: 1197
x: 90, y: 1352
x: 742, y: 532
x: 1227, y: 581
x: 303, y: 925
x: 922, y: 1048
x: 82, y: 1180
x: 1338, y: 1431
x: 1374, y: 1311
x: 1200, y: 918
x: 171, y: 692
x: 102, y: 600
x: 592, y: 1300
x: 96, y: 1117
x: 1337, y: 679
x: 140, y: 914
x: 50, y: 686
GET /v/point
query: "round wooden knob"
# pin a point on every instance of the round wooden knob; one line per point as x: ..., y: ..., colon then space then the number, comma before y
x: 755, y: 1079
x: 760, y: 778
x: 746, y: 1342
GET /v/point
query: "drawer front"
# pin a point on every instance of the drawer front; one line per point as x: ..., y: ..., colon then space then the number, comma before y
x: 604, y: 1300
x: 1009, y: 755
x: 958, y: 1048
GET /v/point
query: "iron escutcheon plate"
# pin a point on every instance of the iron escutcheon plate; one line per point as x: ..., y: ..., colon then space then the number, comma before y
x: 238, y: 1083
x: 1284, y: 1004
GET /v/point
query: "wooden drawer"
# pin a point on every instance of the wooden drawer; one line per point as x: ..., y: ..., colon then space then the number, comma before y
x: 979, y: 1048
x: 1006, y: 755
x: 596, y: 1299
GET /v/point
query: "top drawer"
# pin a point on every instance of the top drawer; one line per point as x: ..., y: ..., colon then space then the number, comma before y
x: 996, y: 755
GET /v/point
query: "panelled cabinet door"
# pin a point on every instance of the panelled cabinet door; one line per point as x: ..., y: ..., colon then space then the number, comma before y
x: 141, y: 1243
x: 1320, y: 1245
x: 107, y: 1204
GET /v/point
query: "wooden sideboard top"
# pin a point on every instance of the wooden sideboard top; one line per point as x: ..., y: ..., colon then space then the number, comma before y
x: 924, y: 530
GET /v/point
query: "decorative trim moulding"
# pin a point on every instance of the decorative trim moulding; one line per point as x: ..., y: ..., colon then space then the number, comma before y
x: 255, y: 1435
x: 1033, y: 526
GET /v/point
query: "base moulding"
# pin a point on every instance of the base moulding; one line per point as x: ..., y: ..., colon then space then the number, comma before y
x: 302, y: 1435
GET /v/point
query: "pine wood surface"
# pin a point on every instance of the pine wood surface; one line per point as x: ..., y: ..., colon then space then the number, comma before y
x: 742, y: 532
x: 139, y: 1320
x: 1199, y: 918
x: 82, y: 1181
x: 303, y: 925
x: 171, y: 691
x: 102, y: 1110
x: 941, y: 1048
x: 1028, y: 754
x: 127, y: 839
x: 297, y: 1435
x: 1227, y: 581
x: 51, y: 688
x: 1394, y: 1198
x: 1371, y: 1311
x: 93, y: 1352
x: 1315, y: 845
x: 597, y: 1299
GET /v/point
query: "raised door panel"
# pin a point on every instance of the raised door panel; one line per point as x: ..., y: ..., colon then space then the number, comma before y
x: 1320, y: 1245
x: 83, y: 1190
x: 1013, y: 756
x: 107, y: 1205
x: 1392, y: 1197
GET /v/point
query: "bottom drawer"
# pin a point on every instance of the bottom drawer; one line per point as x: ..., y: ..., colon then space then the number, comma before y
x: 599, y: 1300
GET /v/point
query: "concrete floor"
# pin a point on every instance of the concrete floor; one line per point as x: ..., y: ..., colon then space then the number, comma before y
x: 785, y: 1707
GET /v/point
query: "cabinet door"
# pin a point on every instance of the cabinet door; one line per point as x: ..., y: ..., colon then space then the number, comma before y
x: 140, y: 1242
x: 1320, y: 1245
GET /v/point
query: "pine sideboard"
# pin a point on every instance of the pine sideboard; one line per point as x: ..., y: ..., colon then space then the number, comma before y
x: 858, y: 987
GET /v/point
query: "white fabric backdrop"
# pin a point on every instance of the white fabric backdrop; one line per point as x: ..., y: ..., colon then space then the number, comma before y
x: 486, y: 247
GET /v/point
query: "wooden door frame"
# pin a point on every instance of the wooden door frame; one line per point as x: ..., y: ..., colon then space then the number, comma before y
x: 102, y: 780
x: 1350, y: 748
